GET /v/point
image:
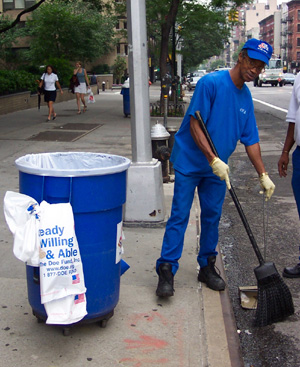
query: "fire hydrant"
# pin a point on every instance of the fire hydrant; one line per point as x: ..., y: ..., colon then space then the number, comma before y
x: 160, y: 149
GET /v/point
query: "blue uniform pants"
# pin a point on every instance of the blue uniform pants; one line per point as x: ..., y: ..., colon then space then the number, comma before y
x: 296, y: 177
x: 211, y: 191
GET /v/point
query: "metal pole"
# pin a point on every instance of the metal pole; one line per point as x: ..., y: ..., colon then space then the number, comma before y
x: 165, y: 110
x: 145, y: 197
x: 139, y: 84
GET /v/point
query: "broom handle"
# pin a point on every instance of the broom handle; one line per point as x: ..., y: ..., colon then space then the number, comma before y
x: 233, y: 194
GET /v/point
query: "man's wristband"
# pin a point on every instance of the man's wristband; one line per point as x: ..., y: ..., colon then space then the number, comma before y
x: 285, y: 151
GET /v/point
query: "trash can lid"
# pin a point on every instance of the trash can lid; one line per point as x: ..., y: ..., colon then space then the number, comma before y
x: 72, y: 164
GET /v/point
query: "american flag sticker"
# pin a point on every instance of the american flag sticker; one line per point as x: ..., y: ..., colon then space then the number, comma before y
x: 79, y: 298
x: 75, y: 279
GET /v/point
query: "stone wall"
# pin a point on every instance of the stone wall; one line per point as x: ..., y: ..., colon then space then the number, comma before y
x: 24, y: 101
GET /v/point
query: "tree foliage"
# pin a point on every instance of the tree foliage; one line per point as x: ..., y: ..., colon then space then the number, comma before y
x: 203, y: 32
x: 216, y: 64
x: 7, y: 39
x: 119, y: 67
x: 202, y: 28
x: 73, y: 30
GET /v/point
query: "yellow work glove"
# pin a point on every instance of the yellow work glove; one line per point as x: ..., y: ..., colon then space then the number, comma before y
x: 221, y: 170
x: 267, y: 185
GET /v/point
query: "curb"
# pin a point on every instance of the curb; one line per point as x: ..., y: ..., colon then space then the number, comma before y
x: 219, y: 316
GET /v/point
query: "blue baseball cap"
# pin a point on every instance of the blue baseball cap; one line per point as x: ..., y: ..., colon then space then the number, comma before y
x: 259, y: 50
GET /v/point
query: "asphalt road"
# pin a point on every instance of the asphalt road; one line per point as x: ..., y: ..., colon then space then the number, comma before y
x: 276, y: 345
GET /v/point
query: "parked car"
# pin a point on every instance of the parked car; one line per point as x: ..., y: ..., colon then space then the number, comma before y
x: 289, y: 78
x: 193, y: 81
x: 221, y: 68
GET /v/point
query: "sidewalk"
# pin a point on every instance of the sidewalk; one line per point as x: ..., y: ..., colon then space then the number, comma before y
x: 192, y: 329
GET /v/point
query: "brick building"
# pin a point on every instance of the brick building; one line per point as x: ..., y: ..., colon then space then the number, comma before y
x: 293, y: 34
x: 270, y: 31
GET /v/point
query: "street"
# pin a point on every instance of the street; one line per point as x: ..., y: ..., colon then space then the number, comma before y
x: 276, y: 345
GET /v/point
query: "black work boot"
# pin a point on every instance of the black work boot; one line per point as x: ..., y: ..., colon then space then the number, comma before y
x: 209, y: 276
x: 165, y: 281
x: 292, y: 272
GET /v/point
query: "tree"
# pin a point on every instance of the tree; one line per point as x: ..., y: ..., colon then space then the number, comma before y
x: 70, y: 30
x: 7, y: 39
x: 119, y: 68
x: 215, y: 64
x: 235, y: 56
x: 203, y: 28
x: 204, y: 32
x: 9, y: 25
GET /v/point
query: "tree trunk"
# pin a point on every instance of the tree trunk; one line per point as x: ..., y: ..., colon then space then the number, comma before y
x: 164, y: 47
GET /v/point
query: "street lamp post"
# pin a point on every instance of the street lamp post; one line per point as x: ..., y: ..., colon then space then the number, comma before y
x: 145, y: 198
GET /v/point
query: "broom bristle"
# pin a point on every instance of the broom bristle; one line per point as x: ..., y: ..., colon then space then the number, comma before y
x: 274, y: 300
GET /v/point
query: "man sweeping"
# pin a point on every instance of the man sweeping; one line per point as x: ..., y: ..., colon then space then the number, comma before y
x: 226, y: 106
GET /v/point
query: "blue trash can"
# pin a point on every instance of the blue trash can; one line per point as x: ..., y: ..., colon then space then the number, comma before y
x: 126, y: 101
x: 95, y: 185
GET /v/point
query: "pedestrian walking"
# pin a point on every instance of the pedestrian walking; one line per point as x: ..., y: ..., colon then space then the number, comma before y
x: 292, y: 137
x: 93, y: 79
x: 226, y: 106
x: 49, y: 81
x: 80, y: 90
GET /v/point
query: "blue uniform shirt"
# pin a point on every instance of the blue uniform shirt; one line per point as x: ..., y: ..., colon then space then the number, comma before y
x: 228, y: 113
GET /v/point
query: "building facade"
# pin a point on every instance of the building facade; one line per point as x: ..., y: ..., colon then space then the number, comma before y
x: 13, y: 7
x: 293, y: 35
x: 270, y: 31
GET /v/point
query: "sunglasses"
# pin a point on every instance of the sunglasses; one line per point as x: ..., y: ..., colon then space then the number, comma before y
x: 254, y: 64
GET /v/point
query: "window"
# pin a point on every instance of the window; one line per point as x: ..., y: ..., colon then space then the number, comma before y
x: 298, y: 12
x: 13, y: 4
x: 126, y: 49
x: 8, y: 4
x: 298, y: 27
x: 119, y: 48
x: 298, y: 41
x: 17, y: 4
x: 298, y: 55
x: 118, y: 25
x: 125, y: 24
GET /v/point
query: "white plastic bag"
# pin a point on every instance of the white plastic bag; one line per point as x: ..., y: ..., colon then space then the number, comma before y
x: 88, y: 91
x: 91, y: 98
x: 22, y: 216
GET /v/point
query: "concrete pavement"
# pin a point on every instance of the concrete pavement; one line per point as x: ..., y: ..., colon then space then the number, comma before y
x: 193, y: 328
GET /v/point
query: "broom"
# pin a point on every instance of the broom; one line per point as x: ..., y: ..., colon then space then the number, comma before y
x: 274, y: 299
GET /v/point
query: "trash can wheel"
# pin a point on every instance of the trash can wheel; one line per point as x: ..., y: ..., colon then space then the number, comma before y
x: 66, y: 331
x: 103, y: 323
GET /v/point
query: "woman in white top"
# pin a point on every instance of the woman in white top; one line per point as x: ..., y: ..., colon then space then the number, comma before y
x: 50, y: 80
x: 80, y: 91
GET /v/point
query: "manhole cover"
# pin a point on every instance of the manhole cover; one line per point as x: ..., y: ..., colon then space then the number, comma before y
x: 79, y: 126
x: 57, y: 136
